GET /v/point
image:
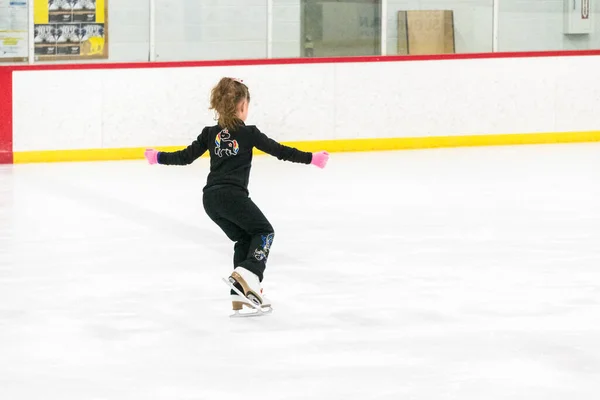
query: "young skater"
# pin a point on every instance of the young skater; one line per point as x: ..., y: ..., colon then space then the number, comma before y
x: 225, y: 197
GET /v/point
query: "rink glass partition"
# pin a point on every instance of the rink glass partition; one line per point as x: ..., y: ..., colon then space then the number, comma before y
x: 191, y: 30
x: 529, y: 96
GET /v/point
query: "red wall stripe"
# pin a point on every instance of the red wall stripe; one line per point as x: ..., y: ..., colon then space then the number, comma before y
x: 299, y: 60
x: 6, y: 117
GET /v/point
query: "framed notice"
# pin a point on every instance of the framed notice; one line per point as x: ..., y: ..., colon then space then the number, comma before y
x: 70, y: 29
x: 13, y: 30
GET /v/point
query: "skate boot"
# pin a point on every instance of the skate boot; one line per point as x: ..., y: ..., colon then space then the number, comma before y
x: 250, y: 292
x: 249, y: 283
x: 66, y: 5
x: 238, y: 301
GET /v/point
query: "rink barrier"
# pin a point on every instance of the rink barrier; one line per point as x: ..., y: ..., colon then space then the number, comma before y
x: 333, y: 146
x: 6, y: 117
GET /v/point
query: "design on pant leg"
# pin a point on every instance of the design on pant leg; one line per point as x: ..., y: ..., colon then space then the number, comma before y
x: 224, y: 145
x: 262, y: 253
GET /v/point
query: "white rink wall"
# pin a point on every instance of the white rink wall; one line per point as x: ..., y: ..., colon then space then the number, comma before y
x: 297, y: 102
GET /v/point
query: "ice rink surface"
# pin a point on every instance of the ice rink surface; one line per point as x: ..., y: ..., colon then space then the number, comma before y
x: 464, y: 274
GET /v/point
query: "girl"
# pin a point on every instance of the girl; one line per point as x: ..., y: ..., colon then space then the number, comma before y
x: 225, y: 197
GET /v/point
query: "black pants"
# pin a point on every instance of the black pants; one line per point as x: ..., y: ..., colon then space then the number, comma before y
x: 243, y: 222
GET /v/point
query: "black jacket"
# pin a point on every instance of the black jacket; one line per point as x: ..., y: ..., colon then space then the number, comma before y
x: 231, y: 153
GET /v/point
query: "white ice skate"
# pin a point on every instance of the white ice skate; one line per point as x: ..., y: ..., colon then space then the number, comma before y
x: 89, y: 4
x: 250, y: 295
x: 54, y: 5
x: 66, y: 5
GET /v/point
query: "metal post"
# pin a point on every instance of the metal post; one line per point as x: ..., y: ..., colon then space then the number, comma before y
x: 384, y: 21
x: 495, y: 19
x: 269, y: 28
x: 30, y: 32
x: 152, y: 32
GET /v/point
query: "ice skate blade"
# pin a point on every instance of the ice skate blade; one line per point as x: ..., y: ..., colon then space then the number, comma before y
x: 251, y: 314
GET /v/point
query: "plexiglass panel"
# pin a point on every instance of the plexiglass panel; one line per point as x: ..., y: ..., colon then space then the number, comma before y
x: 340, y: 28
x: 539, y: 25
x: 210, y: 29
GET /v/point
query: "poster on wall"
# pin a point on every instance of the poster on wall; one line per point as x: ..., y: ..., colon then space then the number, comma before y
x: 13, y: 30
x: 70, y: 29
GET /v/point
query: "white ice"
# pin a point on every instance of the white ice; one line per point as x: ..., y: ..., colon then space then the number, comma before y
x: 439, y: 274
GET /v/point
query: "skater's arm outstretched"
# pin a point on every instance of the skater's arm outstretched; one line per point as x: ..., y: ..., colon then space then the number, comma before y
x: 181, y: 157
x: 286, y: 153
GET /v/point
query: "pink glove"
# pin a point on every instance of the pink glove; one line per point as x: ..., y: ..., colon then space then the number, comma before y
x: 151, y: 156
x: 320, y: 159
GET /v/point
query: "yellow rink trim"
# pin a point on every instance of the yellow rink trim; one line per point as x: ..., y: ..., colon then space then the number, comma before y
x: 340, y: 145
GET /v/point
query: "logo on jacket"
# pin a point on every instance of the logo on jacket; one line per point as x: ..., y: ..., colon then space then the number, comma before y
x: 224, y: 145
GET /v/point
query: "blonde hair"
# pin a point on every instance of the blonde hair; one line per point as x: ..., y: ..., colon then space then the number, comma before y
x: 224, y: 99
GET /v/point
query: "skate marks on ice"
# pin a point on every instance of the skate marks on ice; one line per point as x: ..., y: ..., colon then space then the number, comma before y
x: 120, y: 198
x: 462, y: 312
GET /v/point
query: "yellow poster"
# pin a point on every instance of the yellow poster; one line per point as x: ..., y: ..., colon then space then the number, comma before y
x: 70, y: 29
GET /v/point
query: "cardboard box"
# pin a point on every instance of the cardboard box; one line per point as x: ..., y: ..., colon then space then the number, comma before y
x: 426, y: 32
